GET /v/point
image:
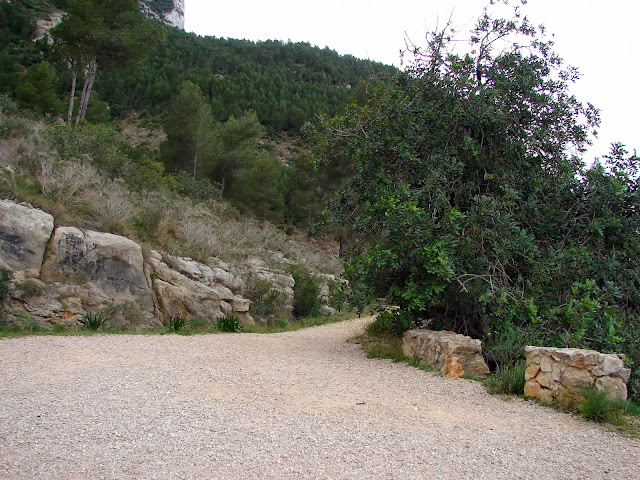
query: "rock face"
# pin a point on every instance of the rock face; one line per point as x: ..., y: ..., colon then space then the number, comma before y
x: 24, y: 234
x: 191, y: 290
x: 88, y: 271
x: 561, y: 374
x: 450, y: 353
x: 62, y: 274
x: 171, y: 16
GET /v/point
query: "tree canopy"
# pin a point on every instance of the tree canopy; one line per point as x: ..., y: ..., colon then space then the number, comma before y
x: 101, y: 32
x: 469, y: 205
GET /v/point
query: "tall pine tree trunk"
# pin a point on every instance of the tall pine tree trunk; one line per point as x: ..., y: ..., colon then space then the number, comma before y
x: 90, y: 76
x: 74, y: 77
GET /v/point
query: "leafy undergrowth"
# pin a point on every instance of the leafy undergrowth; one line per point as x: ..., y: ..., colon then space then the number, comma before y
x: 509, y: 381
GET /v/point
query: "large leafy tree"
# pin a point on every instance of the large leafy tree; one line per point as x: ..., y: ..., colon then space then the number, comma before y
x: 470, y: 207
x: 101, y: 32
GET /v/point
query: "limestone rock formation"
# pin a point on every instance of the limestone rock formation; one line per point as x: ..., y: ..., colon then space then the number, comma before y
x: 60, y: 275
x: 191, y: 291
x: 171, y: 16
x: 24, y: 234
x: 88, y: 271
x: 561, y: 374
x: 452, y: 354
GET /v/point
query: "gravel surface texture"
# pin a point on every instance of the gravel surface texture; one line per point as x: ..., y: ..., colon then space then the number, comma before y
x: 300, y: 405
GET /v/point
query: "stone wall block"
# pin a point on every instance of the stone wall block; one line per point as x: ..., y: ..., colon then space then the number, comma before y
x: 615, y: 387
x: 546, y: 364
x: 610, y: 365
x: 532, y: 370
x: 452, y: 354
x: 544, y: 379
x: 532, y: 389
x: 563, y: 374
x: 533, y: 355
x: 577, y: 378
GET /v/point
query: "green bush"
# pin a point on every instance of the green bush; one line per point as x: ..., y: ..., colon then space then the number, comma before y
x: 200, y: 189
x: 597, y: 406
x: 228, y: 324
x: 176, y: 324
x: 509, y: 380
x: 306, y: 301
x: 5, y: 284
x: 93, y: 321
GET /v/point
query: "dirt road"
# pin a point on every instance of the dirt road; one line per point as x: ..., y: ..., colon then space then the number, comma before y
x: 300, y: 405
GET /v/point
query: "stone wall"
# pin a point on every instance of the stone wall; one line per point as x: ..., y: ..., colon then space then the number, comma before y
x: 450, y: 353
x: 562, y: 374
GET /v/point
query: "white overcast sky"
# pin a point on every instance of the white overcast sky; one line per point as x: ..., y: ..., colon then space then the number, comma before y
x: 599, y: 37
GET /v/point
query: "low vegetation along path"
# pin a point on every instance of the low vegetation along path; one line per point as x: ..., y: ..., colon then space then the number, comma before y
x: 298, y: 405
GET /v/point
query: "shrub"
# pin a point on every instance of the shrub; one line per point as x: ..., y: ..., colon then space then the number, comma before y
x: 176, y: 324
x: 93, y: 321
x: 509, y: 380
x: 265, y: 299
x: 228, y: 324
x: 197, y: 189
x: 306, y: 301
x: 381, y: 327
x: 60, y: 328
x: 31, y: 288
x: 5, y: 284
x: 597, y: 406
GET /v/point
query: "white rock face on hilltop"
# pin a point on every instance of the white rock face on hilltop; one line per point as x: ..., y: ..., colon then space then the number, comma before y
x: 174, y: 17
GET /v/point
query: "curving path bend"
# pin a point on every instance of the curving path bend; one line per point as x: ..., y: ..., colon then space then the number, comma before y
x: 300, y: 405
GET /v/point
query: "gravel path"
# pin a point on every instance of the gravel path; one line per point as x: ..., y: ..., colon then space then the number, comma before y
x: 300, y: 405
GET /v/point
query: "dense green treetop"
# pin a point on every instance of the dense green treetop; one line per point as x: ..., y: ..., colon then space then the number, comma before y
x: 470, y: 207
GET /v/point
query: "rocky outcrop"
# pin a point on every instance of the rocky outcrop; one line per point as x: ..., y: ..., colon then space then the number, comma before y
x: 62, y: 274
x: 88, y: 271
x: 450, y: 353
x: 171, y: 16
x: 191, y: 290
x: 562, y: 374
x: 24, y: 234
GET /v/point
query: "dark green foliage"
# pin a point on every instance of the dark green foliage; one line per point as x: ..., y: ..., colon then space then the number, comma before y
x: 597, y: 406
x: 93, y: 321
x: 509, y: 380
x: 5, y: 284
x: 267, y: 302
x: 285, y: 84
x: 188, y: 129
x: 37, y: 90
x: 306, y: 291
x: 176, y: 324
x: 11, y: 123
x: 382, y: 326
x: 198, y: 189
x: 469, y: 207
x: 228, y: 324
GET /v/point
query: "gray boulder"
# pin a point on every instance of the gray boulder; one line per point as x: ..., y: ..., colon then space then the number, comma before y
x: 24, y: 234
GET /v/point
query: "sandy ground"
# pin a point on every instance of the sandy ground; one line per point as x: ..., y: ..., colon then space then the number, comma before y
x: 300, y: 405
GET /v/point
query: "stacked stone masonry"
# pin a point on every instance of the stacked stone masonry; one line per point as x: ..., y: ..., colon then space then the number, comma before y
x: 450, y: 353
x: 561, y: 375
